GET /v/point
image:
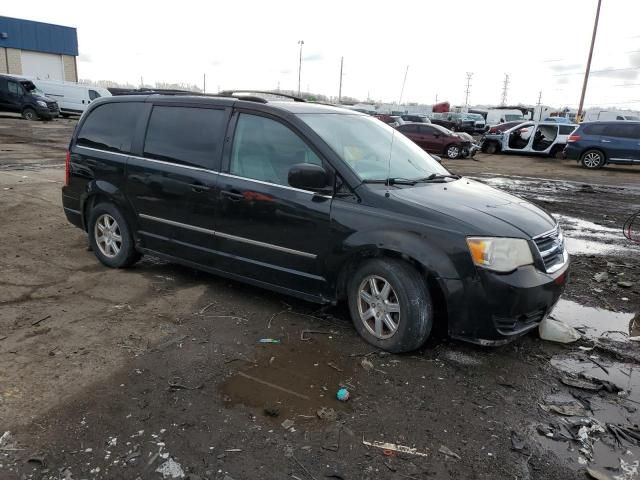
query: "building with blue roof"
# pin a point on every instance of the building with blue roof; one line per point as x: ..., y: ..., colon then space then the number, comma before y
x: 37, y: 49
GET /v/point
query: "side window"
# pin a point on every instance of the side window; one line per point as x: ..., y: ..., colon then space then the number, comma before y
x: 14, y: 88
x: 264, y: 149
x: 110, y: 127
x: 620, y: 131
x: 93, y: 95
x: 566, y: 129
x: 619, y: 118
x: 427, y: 130
x: 596, y: 129
x: 188, y: 136
x: 408, y: 128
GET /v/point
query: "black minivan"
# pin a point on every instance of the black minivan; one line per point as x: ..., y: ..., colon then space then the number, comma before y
x: 20, y: 95
x: 317, y: 202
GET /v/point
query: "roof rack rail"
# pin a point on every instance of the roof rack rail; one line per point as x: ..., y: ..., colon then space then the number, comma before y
x: 230, y: 93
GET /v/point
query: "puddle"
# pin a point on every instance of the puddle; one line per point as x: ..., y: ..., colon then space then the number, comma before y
x: 621, y: 409
x: 594, y: 322
x: 588, y: 238
x: 294, y: 380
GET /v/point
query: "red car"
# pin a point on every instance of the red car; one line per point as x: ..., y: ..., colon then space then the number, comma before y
x: 436, y: 139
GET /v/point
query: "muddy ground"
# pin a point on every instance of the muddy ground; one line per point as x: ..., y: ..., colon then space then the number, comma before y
x: 115, y: 374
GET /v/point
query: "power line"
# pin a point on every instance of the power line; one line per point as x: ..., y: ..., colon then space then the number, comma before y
x: 596, y: 71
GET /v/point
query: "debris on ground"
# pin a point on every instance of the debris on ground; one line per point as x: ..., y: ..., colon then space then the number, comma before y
x: 287, y: 424
x: 393, y: 447
x: 554, y: 330
x: 271, y: 411
x: 328, y: 414
x: 343, y: 395
x: 569, y: 410
x: 366, y: 364
x: 601, y: 277
x: 268, y: 340
x: 598, y: 475
x: 447, y: 452
x: 171, y: 469
x: 517, y: 442
x: 629, y: 434
x: 591, y: 384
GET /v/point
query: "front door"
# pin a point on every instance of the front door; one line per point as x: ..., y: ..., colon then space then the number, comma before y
x: 432, y: 139
x: 269, y: 231
x: 172, y: 182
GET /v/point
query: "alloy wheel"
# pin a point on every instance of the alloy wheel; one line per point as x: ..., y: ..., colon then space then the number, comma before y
x: 592, y: 160
x: 453, y: 152
x: 378, y: 307
x: 107, y: 234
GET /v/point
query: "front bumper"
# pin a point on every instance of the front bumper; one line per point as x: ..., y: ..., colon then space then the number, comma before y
x: 47, y: 113
x: 494, y: 309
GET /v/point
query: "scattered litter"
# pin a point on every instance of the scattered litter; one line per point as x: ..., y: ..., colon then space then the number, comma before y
x: 41, y: 320
x: 271, y: 411
x: 232, y: 450
x: 334, y: 366
x: 625, y: 284
x: 287, y: 424
x: 629, y: 434
x: 304, y: 334
x: 171, y: 469
x: 629, y: 470
x: 269, y: 340
x: 6, y: 440
x: 601, y: 277
x: 556, y: 331
x: 592, y: 384
x: 328, y: 414
x: 366, y: 364
x: 571, y: 410
x: 179, y: 386
x: 517, y: 442
x: 273, y: 385
x: 553, y: 431
x: 39, y: 459
x: 343, y: 395
x: 331, y: 437
x: 395, y: 448
x: 206, y: 307
x: 448, y: 452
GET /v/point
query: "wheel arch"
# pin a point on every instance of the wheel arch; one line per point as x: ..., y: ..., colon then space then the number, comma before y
x: 105, y: 192
x: 597, y: 149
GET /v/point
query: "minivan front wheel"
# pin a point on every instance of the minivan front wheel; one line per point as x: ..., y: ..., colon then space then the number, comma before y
x: 453, y: 152
x: 592, y: 159
x: 390, y: 305
x: 29, y: 114
x: 110, y: 237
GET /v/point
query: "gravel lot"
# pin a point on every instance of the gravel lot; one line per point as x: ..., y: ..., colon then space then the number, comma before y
x: 115, y: 374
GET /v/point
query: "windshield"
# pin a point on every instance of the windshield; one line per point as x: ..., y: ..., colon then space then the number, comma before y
x: 512, y: 117
x: 473, y: 116
x: 373, y: 150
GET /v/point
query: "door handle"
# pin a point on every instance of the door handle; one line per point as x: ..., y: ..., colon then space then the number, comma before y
x: 605, y: 141
x: 232, y: 195
x: 199, y: 188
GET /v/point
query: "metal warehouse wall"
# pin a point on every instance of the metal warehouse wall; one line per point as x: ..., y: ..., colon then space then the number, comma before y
x: 38, y: 36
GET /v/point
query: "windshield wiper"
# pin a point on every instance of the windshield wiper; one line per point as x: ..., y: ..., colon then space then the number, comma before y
x: 393, y: 181
x: 439, y: 176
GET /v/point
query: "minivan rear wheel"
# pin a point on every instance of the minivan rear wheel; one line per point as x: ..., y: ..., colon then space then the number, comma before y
x: 592, y: 159
x: 110, y: 237
x: 390, y: 305
x: 29, y: 114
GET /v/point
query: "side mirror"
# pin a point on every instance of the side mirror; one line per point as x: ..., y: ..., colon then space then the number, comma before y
x: 307, y: 176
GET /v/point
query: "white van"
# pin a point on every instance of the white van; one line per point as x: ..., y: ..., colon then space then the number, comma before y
x: 596, y: 115
x: 496, y: 116
x: 72, y: 98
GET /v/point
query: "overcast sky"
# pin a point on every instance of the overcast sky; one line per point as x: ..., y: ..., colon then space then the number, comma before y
x: 542, y: 44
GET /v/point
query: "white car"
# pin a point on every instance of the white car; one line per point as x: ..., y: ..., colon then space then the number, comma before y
x: 542, y: 138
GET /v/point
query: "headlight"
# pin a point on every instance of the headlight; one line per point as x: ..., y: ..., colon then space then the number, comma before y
x: 499, y: 254
x: 42, y: 103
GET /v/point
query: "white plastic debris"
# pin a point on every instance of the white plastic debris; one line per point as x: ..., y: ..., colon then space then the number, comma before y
x: 171, y: 469
x: 6, y: 440
x: 556, y: 331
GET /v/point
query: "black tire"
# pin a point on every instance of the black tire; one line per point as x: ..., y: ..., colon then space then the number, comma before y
x: 556, y: 153
x: 453, y: 151
x: 127, y: 254
x: 29, y: 114
x: 64, y: 115
x: 409, y: 292
x: 592, y: 159
x: 491, y: 148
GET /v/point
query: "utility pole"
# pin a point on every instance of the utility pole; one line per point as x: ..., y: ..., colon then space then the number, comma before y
x: 301, y: 43
x: 505, y: 89
x: 204, y: 83
x: 586, y: 72
x: 468, y: 90
x: 403, y: 83
x: 539, y: 104
x: 340, y: 88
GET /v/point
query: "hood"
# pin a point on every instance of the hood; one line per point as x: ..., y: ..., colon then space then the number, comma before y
x: 483, y: 207
x: 43, y: 98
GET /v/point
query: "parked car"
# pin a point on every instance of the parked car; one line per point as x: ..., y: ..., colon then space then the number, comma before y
x: 558, y: 119
x: 503, y: 127
x: 391, y: 120
x: 20, y: 95
x: 72, y: 98
x: 541, y: 138
x: 496, y: 116
x: 416, y: 118
x: 456, y: 122
x: 596, y: 144
x: 317, y: 202
x: 606, y: 115
x: 438, y: 140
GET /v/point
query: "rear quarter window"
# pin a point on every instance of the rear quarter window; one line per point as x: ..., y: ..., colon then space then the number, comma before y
x: 110, y: 127
x: 621, y: 131
x: 185, y: 135
x: 594, y: 129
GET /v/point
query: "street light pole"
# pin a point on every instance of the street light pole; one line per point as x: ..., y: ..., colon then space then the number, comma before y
x: 301, y: 43
x: 586, y: 72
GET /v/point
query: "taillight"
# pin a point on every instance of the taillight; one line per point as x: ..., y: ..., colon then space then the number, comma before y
x: 67, y: 173
x: 573, y: 138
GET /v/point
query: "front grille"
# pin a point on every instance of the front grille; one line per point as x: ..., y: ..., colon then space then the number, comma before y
x: 513, y: 324
x: 551, y: 248
x: 53, y: 107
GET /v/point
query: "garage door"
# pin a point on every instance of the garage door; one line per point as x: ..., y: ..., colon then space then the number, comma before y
x: 42, y: 65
